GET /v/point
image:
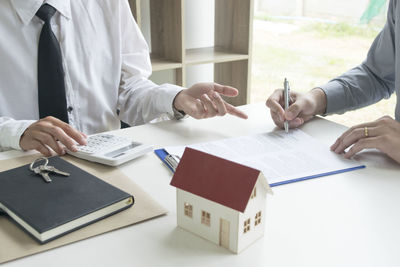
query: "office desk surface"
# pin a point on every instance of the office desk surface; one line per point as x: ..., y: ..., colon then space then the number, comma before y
x: 349, y: 219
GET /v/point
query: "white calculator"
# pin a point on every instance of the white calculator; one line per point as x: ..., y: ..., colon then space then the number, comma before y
x: 110, y: 149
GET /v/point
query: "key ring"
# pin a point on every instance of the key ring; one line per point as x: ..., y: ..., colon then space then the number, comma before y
x: 38, y: 160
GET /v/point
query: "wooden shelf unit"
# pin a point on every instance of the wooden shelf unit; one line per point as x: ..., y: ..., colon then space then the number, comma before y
x: 163, y: 64
x: 211, y: 55
x: 231, y: 53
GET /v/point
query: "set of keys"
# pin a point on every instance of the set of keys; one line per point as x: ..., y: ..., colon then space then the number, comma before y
x: 45, y: 169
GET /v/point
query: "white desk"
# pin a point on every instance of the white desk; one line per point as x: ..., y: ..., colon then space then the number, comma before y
x: 350, y: 219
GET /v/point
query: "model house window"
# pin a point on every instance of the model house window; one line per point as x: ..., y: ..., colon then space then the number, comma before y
x: 205, y: 218
x: 246, y: 226
x: 254, y: 194
x: 257, y: 219
x: 188, y: 210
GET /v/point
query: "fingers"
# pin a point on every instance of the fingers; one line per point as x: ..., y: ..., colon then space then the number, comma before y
x: 293, y: 111
x: 273, y: 103
x: 358, y: 139
x: 208, y: 104
x: 235, y: 111
x: 277, y: 119
x: 354, y: 136
x: 66, y: 134
x: 203, y: 100
x: 210, y: 108
x: 340, y: 140
x: 217, y: 106
x: 382, y: 134
x: 48, y: 140
x: 220, y: 104
x: 297, y: 122
x: 223, y: 107
x: 51, y: 134
x: 38, y: 146
x: 225, y: 90
x: 294, y: 114
x: 58, y: 134
x: 195, y: 108
x: 364, y: 143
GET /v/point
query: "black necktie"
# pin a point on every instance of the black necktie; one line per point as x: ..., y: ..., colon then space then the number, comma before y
x: 51, y: 87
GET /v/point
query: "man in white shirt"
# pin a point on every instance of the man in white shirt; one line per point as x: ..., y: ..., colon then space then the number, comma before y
x: 105, y: 65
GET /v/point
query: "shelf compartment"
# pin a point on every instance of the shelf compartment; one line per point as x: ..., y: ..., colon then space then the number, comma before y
x: 231, y: 73
x: 211, y: 55
x: 158, y: 63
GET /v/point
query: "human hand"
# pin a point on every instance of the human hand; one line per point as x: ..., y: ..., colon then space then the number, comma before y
x: 303, y: 106
x: 203, y: 100
x: 44, y: 135
x: 382, y: 134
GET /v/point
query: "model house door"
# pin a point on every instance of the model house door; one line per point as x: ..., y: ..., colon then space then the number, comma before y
x: 224, y: 226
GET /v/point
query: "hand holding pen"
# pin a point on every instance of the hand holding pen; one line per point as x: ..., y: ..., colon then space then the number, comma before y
x: 300, y: 108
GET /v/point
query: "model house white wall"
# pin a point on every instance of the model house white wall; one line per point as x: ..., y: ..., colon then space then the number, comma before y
x: 216, y: 211
x: 238, y: 238
x: 254, y: 206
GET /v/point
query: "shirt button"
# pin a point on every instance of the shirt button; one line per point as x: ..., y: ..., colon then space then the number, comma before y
x: 69, y: 109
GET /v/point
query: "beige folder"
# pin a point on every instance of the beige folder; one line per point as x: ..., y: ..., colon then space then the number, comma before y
x: 15, y: 243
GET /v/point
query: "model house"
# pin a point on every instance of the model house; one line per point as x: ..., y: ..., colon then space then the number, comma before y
x: 220, y: 200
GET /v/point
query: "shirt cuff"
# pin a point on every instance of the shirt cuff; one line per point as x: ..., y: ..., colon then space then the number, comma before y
x: 168, y: 99
x: 335, y: 97
x: 11, y: 132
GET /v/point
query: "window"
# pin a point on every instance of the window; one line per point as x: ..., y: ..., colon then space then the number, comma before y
x: 246, y: 227
x: 257, y: 219
x: 254, y: 194
x: 205, y: 218
x: 314, y: 33
x: 188, y: 210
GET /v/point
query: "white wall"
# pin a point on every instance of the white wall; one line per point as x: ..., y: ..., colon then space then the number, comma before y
x: 199, y: 23
x: 199, y: 32
x: 216, y: 211
x: 255, y: 205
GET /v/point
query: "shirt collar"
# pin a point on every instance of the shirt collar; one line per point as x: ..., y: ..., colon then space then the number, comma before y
x: 26, y: 10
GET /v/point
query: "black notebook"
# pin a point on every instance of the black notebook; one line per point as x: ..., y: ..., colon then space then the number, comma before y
x: 49, y: 210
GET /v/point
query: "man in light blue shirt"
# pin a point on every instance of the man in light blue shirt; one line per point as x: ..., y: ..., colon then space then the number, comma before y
x: 376, y: 78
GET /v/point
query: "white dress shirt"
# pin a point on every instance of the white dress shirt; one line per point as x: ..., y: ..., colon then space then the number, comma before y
x: 106, y: 63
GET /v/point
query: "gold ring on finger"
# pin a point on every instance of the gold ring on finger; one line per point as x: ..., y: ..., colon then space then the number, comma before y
x: 366, y: 131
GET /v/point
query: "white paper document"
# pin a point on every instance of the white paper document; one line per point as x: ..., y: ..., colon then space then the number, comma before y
x: 282, y: 157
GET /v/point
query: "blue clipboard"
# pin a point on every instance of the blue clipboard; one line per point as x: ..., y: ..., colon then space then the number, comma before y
x: 319, y: 175
x: 166, y: 158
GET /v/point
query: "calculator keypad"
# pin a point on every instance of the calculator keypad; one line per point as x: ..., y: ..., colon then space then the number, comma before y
x: 102, y: 142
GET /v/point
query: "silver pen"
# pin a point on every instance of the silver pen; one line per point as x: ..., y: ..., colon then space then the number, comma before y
x: 172, y: 161
x: 286, y: 97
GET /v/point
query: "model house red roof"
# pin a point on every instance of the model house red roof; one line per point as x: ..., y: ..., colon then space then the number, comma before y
x: 216, y: 179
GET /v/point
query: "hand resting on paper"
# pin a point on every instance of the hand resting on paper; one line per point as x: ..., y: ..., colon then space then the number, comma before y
x: 382, y: 134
